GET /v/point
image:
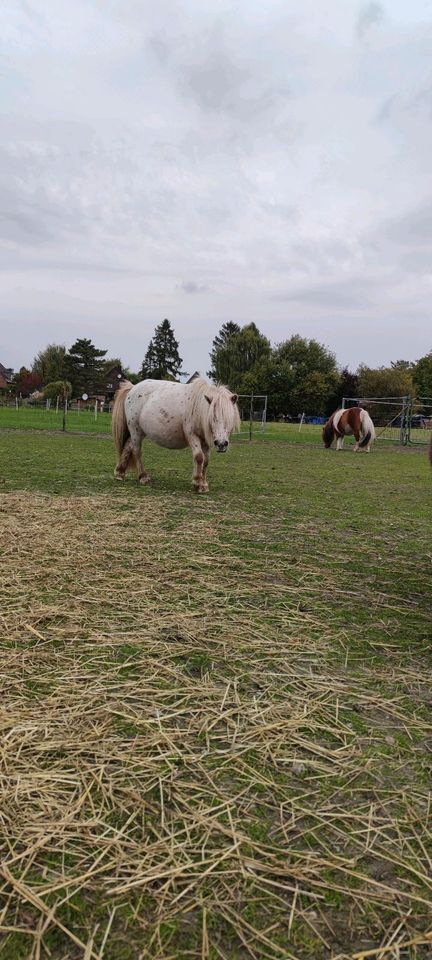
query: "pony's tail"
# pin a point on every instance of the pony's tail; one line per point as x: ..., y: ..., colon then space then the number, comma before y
x: 368, y: 429
x: 328, y: 432
x: 120, y: 429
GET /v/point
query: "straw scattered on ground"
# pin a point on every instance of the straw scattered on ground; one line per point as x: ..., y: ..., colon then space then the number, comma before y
x: 199, y: 756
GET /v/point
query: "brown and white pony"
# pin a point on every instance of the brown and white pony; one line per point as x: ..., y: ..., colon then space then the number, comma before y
x: 173, y: 415
x: 353, y: 420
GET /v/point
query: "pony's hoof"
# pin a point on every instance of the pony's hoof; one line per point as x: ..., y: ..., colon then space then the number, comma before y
x: 118, y: 476
x: 203, y: 488
x: 145, y: 479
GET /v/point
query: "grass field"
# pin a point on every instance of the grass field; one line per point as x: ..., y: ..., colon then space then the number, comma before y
x: 37, y: 418
x: 216, y: 711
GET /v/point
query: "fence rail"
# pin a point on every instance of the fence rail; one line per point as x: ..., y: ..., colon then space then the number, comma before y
x: 402, y: 420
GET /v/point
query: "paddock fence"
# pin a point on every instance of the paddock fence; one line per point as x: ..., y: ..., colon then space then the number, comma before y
x: 253, y: 414
x: 403, y: 420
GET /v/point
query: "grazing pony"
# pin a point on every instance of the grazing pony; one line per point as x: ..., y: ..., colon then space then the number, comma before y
x: 173, y: 415
x: 344, y: 422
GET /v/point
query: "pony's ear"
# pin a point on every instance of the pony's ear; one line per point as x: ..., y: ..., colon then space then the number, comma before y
x: 209, y: 399
x: 234, y: 397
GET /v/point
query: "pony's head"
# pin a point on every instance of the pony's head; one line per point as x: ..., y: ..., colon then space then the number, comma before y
x: 327, y: 433
x: 215, y: 412
x: 223, y: 416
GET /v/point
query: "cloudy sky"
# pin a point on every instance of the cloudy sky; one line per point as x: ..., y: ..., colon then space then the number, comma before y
x: 265, y: 160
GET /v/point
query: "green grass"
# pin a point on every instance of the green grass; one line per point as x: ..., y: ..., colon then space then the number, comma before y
x: 37, y: 418
x: 181, y: 672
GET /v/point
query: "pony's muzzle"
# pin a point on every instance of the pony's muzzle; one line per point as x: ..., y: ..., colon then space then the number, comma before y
x: 221, y: 445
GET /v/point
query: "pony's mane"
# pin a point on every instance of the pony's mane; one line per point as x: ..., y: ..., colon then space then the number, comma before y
x: 200, y: 408
x: 328, y: 431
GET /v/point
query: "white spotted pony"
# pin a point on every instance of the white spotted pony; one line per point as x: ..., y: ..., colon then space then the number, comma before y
x: 174, y: 415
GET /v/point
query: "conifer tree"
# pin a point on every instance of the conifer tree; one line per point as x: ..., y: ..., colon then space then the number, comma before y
x: 162, y: 360
x: 84, y: 366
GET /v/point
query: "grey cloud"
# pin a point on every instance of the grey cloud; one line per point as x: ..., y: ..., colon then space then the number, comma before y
x: 370, y: 15
x: 219, y: 84
x: 338, y: 296
x: 414, y: 225
x: 23, y: 227
x: 189, y: 286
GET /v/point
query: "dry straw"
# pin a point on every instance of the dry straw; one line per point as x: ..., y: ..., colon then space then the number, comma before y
x: 190, y: 764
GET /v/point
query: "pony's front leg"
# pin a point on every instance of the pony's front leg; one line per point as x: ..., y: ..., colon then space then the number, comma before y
x: 200, y: 463
x: 339, y: 443
x: 205, y: 464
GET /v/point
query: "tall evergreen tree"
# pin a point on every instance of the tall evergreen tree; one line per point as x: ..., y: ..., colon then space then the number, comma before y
x: 84, y: 367
x: 162, y: 360
x: 218, y: 352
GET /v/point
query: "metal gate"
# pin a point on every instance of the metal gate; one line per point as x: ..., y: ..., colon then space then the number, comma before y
x: 389, y: 414
x: 253, y: 413
x: 419, y: 420
x: 398, y: 419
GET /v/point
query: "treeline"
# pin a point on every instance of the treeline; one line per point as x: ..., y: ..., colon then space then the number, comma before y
x: 58, y: 371
x: 298, y: 375
x: 303, y: 376
x: 83, y: 368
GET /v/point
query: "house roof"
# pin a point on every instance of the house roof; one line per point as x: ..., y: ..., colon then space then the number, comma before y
x: 6, y: 372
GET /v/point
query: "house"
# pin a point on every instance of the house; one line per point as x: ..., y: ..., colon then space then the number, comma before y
x: 6, y: 374
x: 193, y: 377
x: 110, y: 381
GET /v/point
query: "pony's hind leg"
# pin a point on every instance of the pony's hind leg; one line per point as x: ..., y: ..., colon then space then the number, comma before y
x: 125, y: 460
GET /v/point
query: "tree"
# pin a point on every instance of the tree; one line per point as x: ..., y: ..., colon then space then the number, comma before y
x: 149, y: 364
x: 84, y: 367
x: 347, y: 386
x: 311, y: 395
x: 307, y: 375
x: 162, y: 360
x: 50, y: 364
x: 422, y: 376
x: 217, y: 352
x: 132, y: 377
x: 402, y: 365
x: 237, y: 360
x: 26, y: 382
x: 58, y: 388
x: 305, y: 355
x: 394, y: 381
